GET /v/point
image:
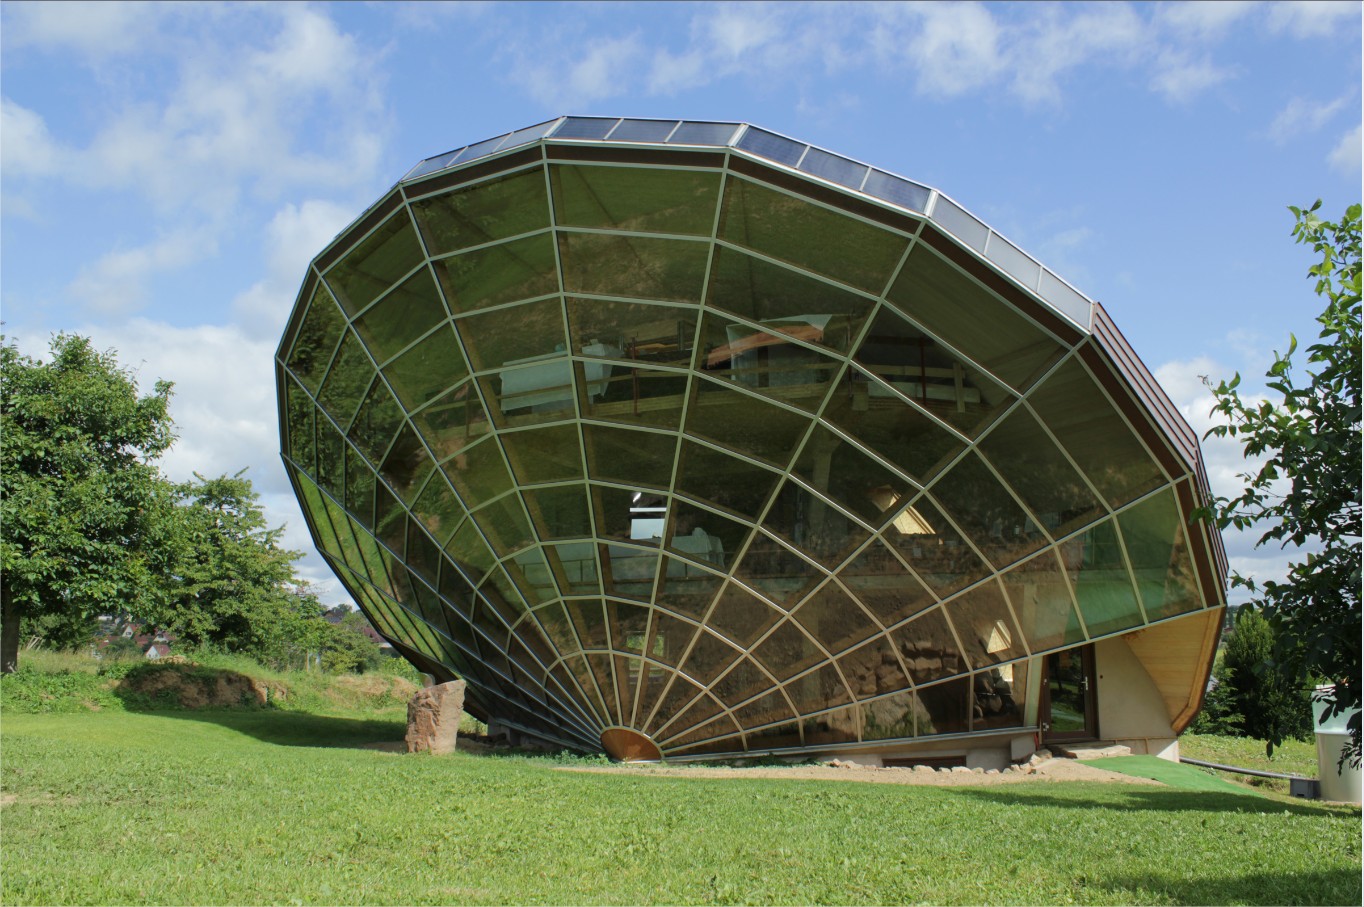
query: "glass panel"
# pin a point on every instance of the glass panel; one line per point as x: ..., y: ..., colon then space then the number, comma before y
x: 478, y: 474
x: 514, y: 336
x: 669, y: 639
x: 928, y: 647
x: 629, y: 572
x: 761, y: 291
x: 643, y: 130
x: 724, y: 481
x: 585, y: 128
x: 544, y: 454
x: 821, y: 689
x: 741, y: 617
x: 520, y: 269
x: 840, y: 726
x: 503, y: 595
x: 709, y: 657
x: 317, y: 338
x: 530, y: 394
x: 468, y: 549
x: 634, y: 331
x: 686, y: 589
x: 554, y: 620
x: 953, y: 307
x: 438, y: 509
x: 745, y: 424
x: 834, y: 620
x: 497, y: 209
x: 873, y: 669
x: 453, y: 422
x: 636, y: 199
x: 407, y: 464
x: 1102, y: 584
x: 395, y: 321
x: 359, y: 488
x: 892, y: 717
x: 1157, y: 546
x: 894, y: 189
x: 1013, y: 260
x: 945, y: 707
x: 1040, y: 596
x: 635, y: 396
x: 776, y: 571
x: 575, y: 565
x: 633, y: 516
x: 984, y: 625
x: 698, y: 133
x: 629, y: 626
x: 834, y: 168
x: 642, y: 267
x: 330, y: 458
x: 987, y: 513
x: 590, y: 622
x: 767, y: 361
x: 672, y: 721
x: 772, y: 146
x: 771, y: 708
x: 705, y: 536
x: 530, y: 571
x: 1000, y: 697
x: 813, y: 525
x: 559, y: 513
x: 423, y: 557
x: 390, y: 520
x: 743, y: 682
x: 606, y: 682
x: 882, y: 583
x: 376, y: 423
x: 1094, y: 435
x: 960, y: 224
x: 1030, y: 462
x: 811, y: 237
x: 316, y: 512
x: 347, y: 381
x: 838, y: 469
x: 299, y: 410
x: 880, y: 420
x: 457, y: 592
x: 428, y: 369
x: 931, y: 375
x: 629, y: 457
x: 376, y: 264
x: 505, y: 524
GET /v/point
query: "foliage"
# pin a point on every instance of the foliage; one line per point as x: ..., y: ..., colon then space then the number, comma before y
x: 347, y: 648
x: 1305, y: 494
x: 1253, y: 697
x: 80, y: 495
x: 1296, y: 757
x: 137, y: 808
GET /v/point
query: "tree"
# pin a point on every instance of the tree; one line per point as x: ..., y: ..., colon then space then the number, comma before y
x: 80, y: 494
x: 1305, y: 494
x: 1252, y: 697
x: 348, y: 648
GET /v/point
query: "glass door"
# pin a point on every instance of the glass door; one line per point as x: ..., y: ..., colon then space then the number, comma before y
x: 1068, y: 709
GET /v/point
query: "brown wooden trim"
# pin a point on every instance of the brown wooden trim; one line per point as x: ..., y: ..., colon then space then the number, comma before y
x: 1107, y: 375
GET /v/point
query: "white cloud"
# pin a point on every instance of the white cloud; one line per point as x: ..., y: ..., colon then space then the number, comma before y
x: 1057, y: 42
x: 1313, y: 18
x: 28, y: 148
x: 1345, y: 157
x: 605, y: 70
x: 1203, y: 19
x: 293, y: 237
x: 1180, y: 77
x: 1301, y: 115
x: 94, y: 30
x: 954, y: 48
x: 117, y: 282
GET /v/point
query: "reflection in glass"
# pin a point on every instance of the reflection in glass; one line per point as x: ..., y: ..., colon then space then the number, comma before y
x: 813, y: 525
x: 724, y: 481
x: 1040, y: 596
x: 999, y: 697
x: 505, y: 525
x: 478, y: 473
x: 1102, y: 584
x: 928, y: 647
x: 629, y: 457
x: 550, y: 454
x: 635, y: 266
x: 946, y: 707
x: 632, y: 331
x: 884, y: 586
x: 408, y: 312
x: 1039, y: 474
x: 873, y: 670
x: 837, y: 468
x: 517, y: 335
x: 346, y: 383
x: 705, y: 536
x: 742, y: 423
x: 834, y: 620
x: 520, y: 269
x: 1157, y: 546
x: 376, y: 263
x: 428, y: 369
x: 766, y: 360
x: 686, y: 589
x: 776, y: 571
x: 741, y: 617
x: 984, y: 625
x: 986, y: 512
x: 559, y: 513
x: 643, y: 201
x: 486, y: 212
x: 317, y: 339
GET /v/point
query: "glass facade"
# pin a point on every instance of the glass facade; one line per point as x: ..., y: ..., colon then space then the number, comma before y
x: 657, y: 447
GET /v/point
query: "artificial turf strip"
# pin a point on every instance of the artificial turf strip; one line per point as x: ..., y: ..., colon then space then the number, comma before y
x: 1173, y: 774
x: 264, y: 807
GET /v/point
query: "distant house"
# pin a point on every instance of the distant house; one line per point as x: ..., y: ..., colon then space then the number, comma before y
x: 156, y: 650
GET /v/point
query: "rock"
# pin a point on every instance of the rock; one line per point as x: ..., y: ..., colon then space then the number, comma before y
x: 923, y: 769
x: 433, y: 716
x: 1038, y: 758
x: 960, y: 770
x: 992, y: 771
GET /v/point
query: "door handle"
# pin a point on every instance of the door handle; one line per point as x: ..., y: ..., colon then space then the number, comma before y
x: 1084, y: 684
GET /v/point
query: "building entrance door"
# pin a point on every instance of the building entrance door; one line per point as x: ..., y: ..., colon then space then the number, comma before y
x: 1069, y: 704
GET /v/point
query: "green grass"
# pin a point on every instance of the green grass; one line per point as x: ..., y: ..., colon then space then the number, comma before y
x: 1173, y: 774
x: 264, y: 806
x: 1294, y: 757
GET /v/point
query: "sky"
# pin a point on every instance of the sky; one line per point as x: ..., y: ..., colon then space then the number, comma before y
x: 167, y: 171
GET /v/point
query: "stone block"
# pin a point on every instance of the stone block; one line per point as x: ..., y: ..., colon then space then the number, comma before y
x: 433, y: 716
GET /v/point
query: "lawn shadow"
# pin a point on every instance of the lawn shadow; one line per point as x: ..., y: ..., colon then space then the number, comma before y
x: 1333, y: 886
x: 246, y: 705
x: 1152, y: 799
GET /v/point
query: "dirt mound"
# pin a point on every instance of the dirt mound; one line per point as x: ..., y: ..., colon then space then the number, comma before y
x: 188, y: 686
x: 373, y: 689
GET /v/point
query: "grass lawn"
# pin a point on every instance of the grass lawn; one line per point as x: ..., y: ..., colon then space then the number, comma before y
x: 264, y: 806
x: 1294, y: 757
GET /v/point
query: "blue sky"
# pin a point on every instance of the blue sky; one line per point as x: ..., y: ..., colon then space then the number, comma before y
x: 168, y: 170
